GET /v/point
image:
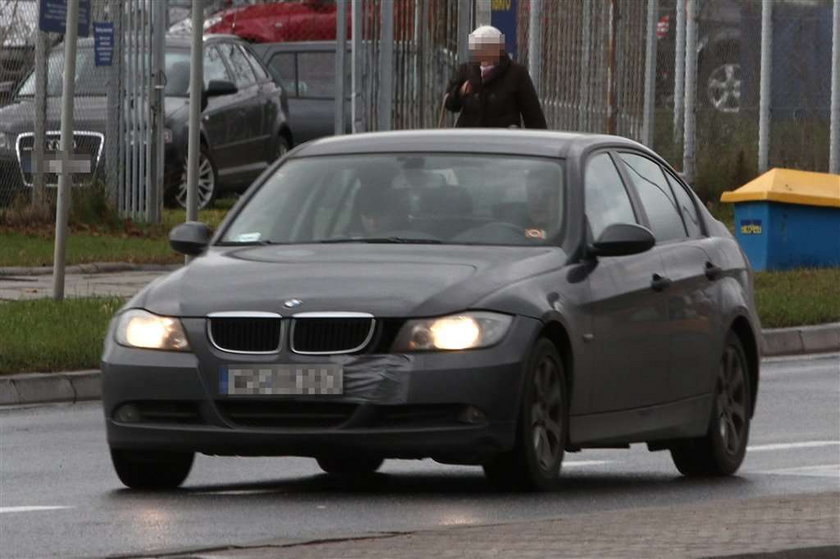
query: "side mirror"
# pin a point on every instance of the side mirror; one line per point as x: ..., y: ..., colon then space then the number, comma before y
x: 623, y: 239
x: 220, y: 87
x: 190, y: 238
x: 216, y: 88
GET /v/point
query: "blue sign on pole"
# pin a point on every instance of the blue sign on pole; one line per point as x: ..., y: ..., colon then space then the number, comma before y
x: 53, y: 16
x: 503, y: 16
x: 103, y: 42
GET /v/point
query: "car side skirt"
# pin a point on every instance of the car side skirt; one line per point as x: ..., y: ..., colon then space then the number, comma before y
x: 676, y: 420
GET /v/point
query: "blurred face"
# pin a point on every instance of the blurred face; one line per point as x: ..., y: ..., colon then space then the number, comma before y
x: 485, y: 52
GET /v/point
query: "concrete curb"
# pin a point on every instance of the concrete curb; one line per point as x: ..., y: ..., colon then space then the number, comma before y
x: 40, y: 388
x: 90, y: 268
x: 801, y: 339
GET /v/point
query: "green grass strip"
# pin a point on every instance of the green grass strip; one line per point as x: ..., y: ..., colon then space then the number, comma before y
x: 797, y: 297
x: 46, y: 335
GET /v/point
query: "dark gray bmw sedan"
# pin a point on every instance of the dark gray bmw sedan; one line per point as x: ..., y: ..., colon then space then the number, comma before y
x: 480, y: 297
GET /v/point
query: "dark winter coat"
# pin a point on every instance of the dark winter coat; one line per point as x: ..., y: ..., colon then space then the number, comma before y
x: 506, y: 98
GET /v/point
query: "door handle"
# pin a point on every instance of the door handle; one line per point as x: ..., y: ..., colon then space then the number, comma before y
x: 660, y: 283
x: 713, y: 272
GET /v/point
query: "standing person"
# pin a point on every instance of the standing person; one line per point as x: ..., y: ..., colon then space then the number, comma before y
x: 492, y: 90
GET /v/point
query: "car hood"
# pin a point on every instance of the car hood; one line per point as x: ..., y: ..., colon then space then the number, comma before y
x: 385, y: 280
x: 89, y: 113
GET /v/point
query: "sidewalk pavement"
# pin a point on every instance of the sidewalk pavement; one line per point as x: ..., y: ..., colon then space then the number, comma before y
x: 124, y: 280
x: 797, y: 526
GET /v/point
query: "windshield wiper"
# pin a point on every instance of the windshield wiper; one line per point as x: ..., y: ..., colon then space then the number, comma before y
x: 247, y: 243
x: 383, y: 240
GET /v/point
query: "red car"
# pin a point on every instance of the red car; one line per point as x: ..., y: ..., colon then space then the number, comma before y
x: 298, y: 20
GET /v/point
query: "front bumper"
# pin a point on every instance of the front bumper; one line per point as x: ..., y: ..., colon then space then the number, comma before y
x: 395, y: 406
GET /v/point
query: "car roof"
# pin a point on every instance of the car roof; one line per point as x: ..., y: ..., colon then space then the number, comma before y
x: 465, y: 140
x: 172, y: 40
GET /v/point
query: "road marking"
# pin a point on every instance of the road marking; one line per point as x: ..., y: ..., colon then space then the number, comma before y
x: 788, y: 446
x: 582, y: 463
x: 31, y: 509
x: 826, y: 470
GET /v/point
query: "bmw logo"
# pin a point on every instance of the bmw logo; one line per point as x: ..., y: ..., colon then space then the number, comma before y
x: 293, y: 303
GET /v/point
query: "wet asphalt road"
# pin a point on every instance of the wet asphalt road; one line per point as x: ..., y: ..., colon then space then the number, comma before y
x: 60, y: 497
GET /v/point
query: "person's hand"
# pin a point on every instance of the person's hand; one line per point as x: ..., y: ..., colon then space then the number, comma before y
x: 466, y: 88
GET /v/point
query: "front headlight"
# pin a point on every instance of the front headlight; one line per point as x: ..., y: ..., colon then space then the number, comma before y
x: 468, y: 330
x: 142, y: 329
x: 7, y: 141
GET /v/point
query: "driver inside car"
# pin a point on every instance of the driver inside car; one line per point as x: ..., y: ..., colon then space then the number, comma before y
x: 542, y: 186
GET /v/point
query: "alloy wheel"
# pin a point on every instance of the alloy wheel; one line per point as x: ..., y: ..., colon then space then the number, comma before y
x: 206, y: 183
x: 547, y: 414
x: 724, y: 88
x: 732, y: 401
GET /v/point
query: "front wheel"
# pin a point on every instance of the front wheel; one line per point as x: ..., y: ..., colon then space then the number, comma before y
x: 534, y: 463
x: 152, y: 470
x: 721, y: 451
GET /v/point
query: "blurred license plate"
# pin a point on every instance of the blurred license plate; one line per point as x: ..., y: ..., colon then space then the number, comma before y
x: 281, y: 380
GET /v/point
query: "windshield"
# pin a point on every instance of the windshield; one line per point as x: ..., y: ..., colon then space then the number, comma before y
x: 417, y: 198
x: 92, y: 80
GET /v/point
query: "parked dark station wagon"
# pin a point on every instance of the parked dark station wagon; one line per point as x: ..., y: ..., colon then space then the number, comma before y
x: 487, y: 297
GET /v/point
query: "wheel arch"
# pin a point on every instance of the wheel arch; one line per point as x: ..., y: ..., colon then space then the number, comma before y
x: 742, y: 328
x: 557, y: 334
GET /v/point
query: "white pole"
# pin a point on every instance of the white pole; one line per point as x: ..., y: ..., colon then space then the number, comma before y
x: 764, y: 99
x: 679, y: 72
x: 65, y: 178
x: 535, y: 43
x: 196, y: 87
x: 690, y: 119
x: 340, y: 65
x: 834, y: 143
x: 356, y: 31
x: 650, y: 74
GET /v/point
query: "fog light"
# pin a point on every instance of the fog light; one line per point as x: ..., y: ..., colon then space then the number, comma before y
x: 128, y: 413
x: 471, y: 414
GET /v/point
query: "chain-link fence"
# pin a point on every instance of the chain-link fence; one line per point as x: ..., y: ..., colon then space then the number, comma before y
x: 590, y: 71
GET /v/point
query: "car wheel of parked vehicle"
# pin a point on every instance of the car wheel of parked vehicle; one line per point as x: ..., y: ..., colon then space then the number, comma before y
x: 722, y: 450
x: 721, y: 76
x: 148, y: 469
x: 535, y: 461
x: 350, y: 465
x: 206, y: 181
x: 282, y: 147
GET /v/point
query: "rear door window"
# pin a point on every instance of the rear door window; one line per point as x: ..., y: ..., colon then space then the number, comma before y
x: 656, y: 197
x: 282, y: 68
x: 316, y: 74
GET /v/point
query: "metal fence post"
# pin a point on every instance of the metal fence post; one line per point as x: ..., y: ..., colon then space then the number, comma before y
x: 611, y: 69
x: 356, y: 104
x: 464, y: 24
x: 65, y: 178
x: 834, y: 142
x: 585, y: 106
x: 113, y: 137
x: 764, y: 99
x: 690, y: 119
x: 650, y: 74
x: 535, y: 43
x: 154, y: 207
x: 38, y: 186
x: 386, y: 67
x: 196, y: 86
x: 340, y: 65
x: 679, y: 72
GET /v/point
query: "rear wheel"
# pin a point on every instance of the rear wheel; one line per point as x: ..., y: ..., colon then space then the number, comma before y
x: 148, y: 469
x: 350, y: 465
x: 206, y: 181
x: 721, y: 451
x: 534, y: 463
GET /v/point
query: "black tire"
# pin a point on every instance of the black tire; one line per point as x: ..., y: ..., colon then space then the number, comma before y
x: 283, y: 147
x: 535, y: 461
x: 208, y: 182
x: 721, y: 451
x: 151, y: 470
x: 350, y: 465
